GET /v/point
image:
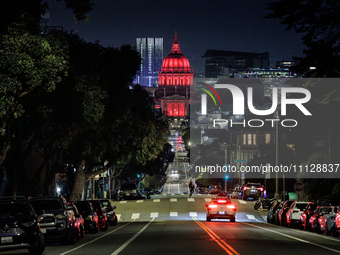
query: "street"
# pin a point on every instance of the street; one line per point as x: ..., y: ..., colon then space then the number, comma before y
x: 175, y: 224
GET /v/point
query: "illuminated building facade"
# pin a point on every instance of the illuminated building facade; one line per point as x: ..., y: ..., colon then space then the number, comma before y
x: 151, y: 52
x: 174, y: 80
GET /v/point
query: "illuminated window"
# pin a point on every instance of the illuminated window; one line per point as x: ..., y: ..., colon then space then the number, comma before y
x: 249, y: 139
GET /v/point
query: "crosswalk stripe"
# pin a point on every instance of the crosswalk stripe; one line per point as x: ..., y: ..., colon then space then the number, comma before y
x: 139, y: 201
x: 123, y: 202
x: 154, y: 215
x: 193, y: 214
x: 190, y: 199
x: 157, y: 200
x: 250, y: 217
x: 242, y: 202
x: 118, y: 216
x: 173, y: 199
x: 207, y: 199
x: 173, y: 214
x: 135, y: 216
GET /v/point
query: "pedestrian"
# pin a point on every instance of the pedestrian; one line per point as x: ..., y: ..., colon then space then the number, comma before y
x: 191, y: 187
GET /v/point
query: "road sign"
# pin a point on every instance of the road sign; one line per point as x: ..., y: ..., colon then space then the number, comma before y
x: 298, y: 186
x: 240, y: 161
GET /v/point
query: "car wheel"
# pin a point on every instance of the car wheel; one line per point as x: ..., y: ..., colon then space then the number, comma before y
x: 40, y: 247
x: 208, y: 218
x: 115, y: 221
x: 105, y: 227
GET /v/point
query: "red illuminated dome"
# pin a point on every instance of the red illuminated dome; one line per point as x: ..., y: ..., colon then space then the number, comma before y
x: 175, y: 68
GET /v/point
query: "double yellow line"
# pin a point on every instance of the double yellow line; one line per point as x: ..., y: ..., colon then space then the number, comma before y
x: 226, y: 247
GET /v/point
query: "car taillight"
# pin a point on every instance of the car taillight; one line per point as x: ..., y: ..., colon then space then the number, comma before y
x: 245, y: 188
x: 212, y: 206
x: 231, y: 207
x: 221, y: 201
x: 261, y: 189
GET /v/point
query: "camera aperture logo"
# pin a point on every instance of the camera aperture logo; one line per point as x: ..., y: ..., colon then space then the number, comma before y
x: 239, y: 105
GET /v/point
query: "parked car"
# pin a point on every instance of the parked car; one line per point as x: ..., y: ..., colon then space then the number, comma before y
x: 251, y: 190
x: 56, y: 218
x: 91, y: 221
x: 314, y: 219
x: 215, y: 189
x: 271, y: 216
x: 130, y: 190
x: 282, y: 214
x: 102, y: 217
x: 221, y: 208
x: 306, y: 214
x: 294, y: 213
x: 336, y: 228
x: 326, y: 221
x: 79, y: 221
x: 19, y: 226
x: 110, y: 213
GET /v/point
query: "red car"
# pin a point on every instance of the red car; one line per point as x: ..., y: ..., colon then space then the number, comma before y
x: 314, y: 219
x: 102, y: 217
x: 79, y: 222
x: 305, y: 216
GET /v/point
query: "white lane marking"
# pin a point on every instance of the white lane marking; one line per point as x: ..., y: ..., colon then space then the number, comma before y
x: 173, y: 214
x: 139, y: 201
x: 135, y: 216
x: 123, y: 202
x: 173, y: 199
x: 295, y: 238
x: 80, y: 246
x: 250, y: 217
x: 193, y: 214
x: 207, y: 199
x: 118, y: 216
x: 242, y: 202
x: 190, y: 199
x: 173, y: 194
x: 124, y: 245
x: 154, y: 215
x: 157, y: 200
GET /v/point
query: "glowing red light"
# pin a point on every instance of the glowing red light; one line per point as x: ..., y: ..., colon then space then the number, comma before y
x: 221, y: 201
x: 231, y: 207
x: 212, y: 206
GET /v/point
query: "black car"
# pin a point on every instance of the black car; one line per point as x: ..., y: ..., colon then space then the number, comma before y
x: 110, y: 213
x: 90, y: 216
x: 56, y: 218
x: 251, y: 190
x: 19, y: 226
x: 272, y: 212
x: 130, y: 190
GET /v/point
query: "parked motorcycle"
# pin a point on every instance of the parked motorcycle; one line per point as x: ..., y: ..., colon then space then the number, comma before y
x: 265, y: 202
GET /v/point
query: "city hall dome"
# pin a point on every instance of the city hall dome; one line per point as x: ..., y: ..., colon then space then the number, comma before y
x: 175, y: 68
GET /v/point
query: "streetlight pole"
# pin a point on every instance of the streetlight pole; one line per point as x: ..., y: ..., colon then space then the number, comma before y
x: 277, y: 196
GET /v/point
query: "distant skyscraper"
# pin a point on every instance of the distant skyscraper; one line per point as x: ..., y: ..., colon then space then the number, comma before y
x: 151, y: 51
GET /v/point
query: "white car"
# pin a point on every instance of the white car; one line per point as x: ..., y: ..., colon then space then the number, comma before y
x: 294, y: 213
x: 221, y: 208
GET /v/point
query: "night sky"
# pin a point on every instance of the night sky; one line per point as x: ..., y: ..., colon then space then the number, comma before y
x: 234, y: 25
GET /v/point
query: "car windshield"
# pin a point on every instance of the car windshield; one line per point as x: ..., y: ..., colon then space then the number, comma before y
x: 105, y: 203
x: 300, y: 206
x: 40, y: 205
x: 82, y: 207
x: 18, y: 211
x: 323, y: 209
x: 254, y: 186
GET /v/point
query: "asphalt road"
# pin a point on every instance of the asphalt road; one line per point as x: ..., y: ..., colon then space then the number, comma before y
x: 172, y: 224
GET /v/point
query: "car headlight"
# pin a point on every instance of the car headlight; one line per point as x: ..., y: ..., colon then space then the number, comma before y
x: 89, y: 217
